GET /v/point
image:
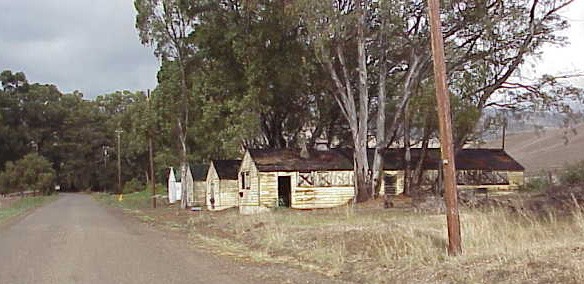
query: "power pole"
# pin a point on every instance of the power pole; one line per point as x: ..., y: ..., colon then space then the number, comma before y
x: 446, y: 143
x: 119, y: 132
x: 504, y: 133
x: 151, y: 154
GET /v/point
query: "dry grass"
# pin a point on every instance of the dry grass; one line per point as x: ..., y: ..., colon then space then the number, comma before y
x: 396, y: 246
x: 543, y: 151
x: 384, y: 246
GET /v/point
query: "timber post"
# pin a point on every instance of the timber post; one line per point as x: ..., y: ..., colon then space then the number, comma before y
x: 446, y: 141
x: 119, y: 132
x: 151, y: 155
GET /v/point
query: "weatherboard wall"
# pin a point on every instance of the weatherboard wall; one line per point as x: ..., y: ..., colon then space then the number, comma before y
x: 260, y: 191
x: 399, y: 183
x: 249, y: 193
x: 223, y: 192
x: 200, y: 189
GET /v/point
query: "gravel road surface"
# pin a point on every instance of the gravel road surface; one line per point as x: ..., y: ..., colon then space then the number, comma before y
x: 76, y: 240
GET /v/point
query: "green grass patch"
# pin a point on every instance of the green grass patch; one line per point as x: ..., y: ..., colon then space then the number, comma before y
x: 23, y: 205
x: 136, y: 200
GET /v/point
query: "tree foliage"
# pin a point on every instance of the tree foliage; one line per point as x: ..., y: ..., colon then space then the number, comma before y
x: 264, y: 73
x: 31, y: 173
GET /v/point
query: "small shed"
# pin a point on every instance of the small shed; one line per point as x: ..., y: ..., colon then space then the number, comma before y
x: 174, y: 187
x: 221, y: 185
x: 283, y: 178
x: 196, y: 194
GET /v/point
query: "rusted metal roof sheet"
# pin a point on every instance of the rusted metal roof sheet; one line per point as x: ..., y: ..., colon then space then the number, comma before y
x: 287, y: 160
x: 342, y: 159
x: 227, y: 169
x: 466, y: 159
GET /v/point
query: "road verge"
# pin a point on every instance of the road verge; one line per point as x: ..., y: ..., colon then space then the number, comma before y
x: 376, y: 245
x: 12, y: 209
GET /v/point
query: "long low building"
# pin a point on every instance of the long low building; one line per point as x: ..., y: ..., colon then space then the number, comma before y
x: 324, y: 179
x: 493, y: 169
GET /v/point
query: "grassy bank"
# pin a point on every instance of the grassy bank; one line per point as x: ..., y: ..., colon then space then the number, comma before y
x: 137, y: 200
x: 13, y: 208
x: 392, y: 246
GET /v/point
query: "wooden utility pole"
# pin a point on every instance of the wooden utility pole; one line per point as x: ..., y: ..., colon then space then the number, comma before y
x: 504, y: 133
x: 119, y: 132
x: 446, y: 143
x: 151, y: 154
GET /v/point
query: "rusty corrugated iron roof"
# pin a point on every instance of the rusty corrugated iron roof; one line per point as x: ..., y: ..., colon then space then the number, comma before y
x: 342, y: 159
x: 287, y: 160
x: 227, y: 169
x: 465, y: 159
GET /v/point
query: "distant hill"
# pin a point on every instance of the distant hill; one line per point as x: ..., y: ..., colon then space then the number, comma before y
x: 525, y: 122
x: 546, y: 149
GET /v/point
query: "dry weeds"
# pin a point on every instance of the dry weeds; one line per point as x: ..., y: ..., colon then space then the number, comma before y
x: 391, y: 246
x: 371, y: 245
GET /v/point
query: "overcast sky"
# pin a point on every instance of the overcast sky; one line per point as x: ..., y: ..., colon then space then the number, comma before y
x: 86, y: 45
x: 568, y: 59
x: 92, y: 45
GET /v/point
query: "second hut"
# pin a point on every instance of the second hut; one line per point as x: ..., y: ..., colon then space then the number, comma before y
x: 222, y: 191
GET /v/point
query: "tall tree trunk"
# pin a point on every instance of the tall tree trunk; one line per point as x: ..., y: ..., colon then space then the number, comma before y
x: 346, y: 101
x: 364, y: 191
x: 357, y: 119
x: 418, y: 174
x: 183, y: 130
x: 414, y: 71
x: 362, y: 175
x: 380, y: 137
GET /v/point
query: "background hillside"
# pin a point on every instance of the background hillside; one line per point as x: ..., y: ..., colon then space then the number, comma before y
x: 546, y: 149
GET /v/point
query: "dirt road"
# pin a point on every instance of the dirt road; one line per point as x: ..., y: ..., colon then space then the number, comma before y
x: 75, y: 240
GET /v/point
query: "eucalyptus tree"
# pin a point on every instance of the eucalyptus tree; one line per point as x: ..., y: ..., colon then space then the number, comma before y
x: 486, y: 44
x: 166, y: 25
x: 257, y: 79
x: 354, y: 40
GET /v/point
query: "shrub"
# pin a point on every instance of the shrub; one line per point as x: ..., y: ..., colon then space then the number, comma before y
x: 133, y: 185
x: 573, y: 174
x: 537, y: 184
x: 32, y: 172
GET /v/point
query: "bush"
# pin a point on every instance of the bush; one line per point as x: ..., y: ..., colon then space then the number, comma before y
x: 133, y: 185
x: 537, y: 184
x: 573, y: 174
x: 32, y: 172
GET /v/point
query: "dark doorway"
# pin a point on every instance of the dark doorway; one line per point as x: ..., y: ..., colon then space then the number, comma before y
x: 284, y: 191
